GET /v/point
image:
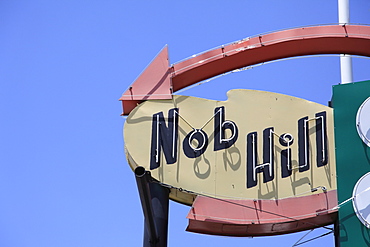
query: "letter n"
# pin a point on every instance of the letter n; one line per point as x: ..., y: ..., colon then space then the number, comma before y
x: 164, y: 138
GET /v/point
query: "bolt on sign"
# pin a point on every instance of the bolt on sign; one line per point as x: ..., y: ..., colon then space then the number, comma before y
x: 257, y: 164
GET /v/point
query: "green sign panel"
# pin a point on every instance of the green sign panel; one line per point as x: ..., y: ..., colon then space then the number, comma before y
x: 352, y: 158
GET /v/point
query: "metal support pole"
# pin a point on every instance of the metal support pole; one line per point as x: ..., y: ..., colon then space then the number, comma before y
x: 154, y: 201
x: 336, y: 234
x: 345, y: 60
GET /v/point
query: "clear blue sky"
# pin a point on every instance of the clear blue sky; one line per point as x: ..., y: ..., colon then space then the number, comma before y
x: 64, y: 179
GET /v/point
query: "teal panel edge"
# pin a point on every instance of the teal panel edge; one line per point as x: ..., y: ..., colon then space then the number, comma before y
x: 352, y: 159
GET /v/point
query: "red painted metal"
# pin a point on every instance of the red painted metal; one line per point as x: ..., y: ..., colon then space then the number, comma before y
x: 155, y: 82
x: 261, y: 217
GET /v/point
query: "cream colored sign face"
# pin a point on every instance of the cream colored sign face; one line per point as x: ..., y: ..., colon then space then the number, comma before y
x: 255, y: 145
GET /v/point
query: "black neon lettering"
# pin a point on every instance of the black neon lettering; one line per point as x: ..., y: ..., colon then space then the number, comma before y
x: 286, y: 140
x: 164, y: 138
x: 303, y: 145
x: 220, y: 140
x: 321, y: 139
x: 267, y: 167
x: 202, y: 142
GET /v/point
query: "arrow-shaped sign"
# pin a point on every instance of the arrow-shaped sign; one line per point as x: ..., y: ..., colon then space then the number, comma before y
x: 159, y: 80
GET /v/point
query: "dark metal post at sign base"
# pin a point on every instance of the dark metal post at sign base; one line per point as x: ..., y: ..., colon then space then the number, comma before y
x: 336, y: 233
x: 154, y: 201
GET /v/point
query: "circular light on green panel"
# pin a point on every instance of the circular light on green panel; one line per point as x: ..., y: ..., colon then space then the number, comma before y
x: 363, y: 121
x: 361, y: 199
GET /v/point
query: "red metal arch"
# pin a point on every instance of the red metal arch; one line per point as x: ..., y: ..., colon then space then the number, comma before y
x: 159, y: 80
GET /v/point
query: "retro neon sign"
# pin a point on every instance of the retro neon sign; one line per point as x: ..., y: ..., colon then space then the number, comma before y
x: 241, y: 149
x: 222, y: 169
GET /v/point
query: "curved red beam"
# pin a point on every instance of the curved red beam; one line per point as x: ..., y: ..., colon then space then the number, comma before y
x: 330, y: 39
x: 253, y: 218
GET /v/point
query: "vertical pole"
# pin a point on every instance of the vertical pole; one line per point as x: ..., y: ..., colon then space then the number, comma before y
x: 336, y: 233
x: 346, y: 77
x: 345, y: 60
x: 160, y: 200
x: 154, y: 201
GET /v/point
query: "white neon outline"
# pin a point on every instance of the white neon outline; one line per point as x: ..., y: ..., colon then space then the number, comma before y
x: 173, y: 138
x: 222, y: 125
x: 173, y: 134
x: 156, y: 150
x: 305, y: 126
x: 254, y: 160
x: 306, y: 137
x: 322, y: 138
x: 288, y: 142
x: 234, y: 132
x: 190, y: 137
